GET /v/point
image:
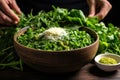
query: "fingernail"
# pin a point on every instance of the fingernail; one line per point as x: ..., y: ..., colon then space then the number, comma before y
x: 16, y: 22
x: 90, y: 15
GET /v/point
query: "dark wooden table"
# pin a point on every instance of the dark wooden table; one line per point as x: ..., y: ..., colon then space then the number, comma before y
x: 88, y: 72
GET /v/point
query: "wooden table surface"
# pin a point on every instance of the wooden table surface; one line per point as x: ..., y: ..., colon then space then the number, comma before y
x: 88, y: 72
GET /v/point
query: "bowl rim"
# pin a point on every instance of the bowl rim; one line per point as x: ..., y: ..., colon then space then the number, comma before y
x: 87, y: 29
x: 99, y: 56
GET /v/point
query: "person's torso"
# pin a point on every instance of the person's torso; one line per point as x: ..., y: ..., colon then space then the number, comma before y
x: 37, y: 5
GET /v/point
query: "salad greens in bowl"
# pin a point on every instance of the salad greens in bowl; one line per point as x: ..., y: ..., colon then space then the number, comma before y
x: 56, y: 38
x: 56, y: 49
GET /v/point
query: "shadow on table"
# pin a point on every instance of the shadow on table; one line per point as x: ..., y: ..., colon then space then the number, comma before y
x: 31, y: 74
x: 88, y: 72
x: 100, y: 73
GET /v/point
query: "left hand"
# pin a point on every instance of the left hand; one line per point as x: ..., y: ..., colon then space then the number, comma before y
x: 99, y: 8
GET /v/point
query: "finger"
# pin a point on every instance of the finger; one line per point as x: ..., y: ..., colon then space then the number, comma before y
x: 105, y: 8
x: 6, y: 9
x: 15, y: 7
x: 5, y: 19
x: 101, y: 14
x: 91, y: 4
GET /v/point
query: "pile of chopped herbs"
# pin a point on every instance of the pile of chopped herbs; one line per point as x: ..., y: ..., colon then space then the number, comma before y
x: 109, y: 34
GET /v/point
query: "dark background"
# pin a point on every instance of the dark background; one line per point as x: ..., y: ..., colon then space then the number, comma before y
x: 114, y: 15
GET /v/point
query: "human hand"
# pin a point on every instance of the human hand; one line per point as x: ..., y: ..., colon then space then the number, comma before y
x: 7, y: 14
x: 99, y: 8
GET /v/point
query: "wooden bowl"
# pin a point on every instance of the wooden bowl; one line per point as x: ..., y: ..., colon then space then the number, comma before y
x: 57, y: 61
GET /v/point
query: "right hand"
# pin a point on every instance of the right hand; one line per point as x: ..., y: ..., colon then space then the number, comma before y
x: 7, y: 14
x: 99, y: 8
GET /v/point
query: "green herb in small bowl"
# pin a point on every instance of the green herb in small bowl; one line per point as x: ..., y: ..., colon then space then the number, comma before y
x: 107, y: 61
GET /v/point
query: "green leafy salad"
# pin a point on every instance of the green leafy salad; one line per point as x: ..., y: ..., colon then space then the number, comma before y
x: 109, y: 34
x: 55, y: 38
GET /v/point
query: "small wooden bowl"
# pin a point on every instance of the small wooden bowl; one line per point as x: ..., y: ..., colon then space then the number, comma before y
x: 57, y: 61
